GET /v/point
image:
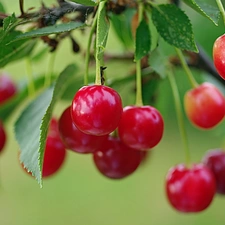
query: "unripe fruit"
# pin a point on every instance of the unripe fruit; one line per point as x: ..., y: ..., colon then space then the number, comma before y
x: 205, y: 105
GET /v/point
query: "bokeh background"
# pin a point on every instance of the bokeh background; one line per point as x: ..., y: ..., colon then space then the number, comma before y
x: 79, y: 194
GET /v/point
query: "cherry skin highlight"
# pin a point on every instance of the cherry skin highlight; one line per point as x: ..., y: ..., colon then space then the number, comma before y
x: 141, y: 127
x: 7, y: 88
x: 205, y: 106
x: 76, y: 140
x: 96, y: 110
x: 219, y: 55
x: 215, y: 161
x: 190, y: 189
x: 2, y: 136
x: 115, y: 160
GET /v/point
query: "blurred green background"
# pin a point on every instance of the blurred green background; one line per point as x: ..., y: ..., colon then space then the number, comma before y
x: 78, y: 194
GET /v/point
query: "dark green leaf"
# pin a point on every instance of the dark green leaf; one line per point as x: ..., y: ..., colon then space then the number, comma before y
x: 86, y: 2
x: 32, y: 125
x: 174, y: 26
x: 15, y: 50
x: 55, y: 29
x: 122, y: 26
x: 207, y: 10
x: 143, y: 40
x: 103, y: 29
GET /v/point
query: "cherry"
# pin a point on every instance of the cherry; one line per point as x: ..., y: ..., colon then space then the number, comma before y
x: 115, y: 160
x: 190, y: 189
x: 219, y: 55
x: 2, y: 136
x: 96, y: 110
x: 205, y: 105
x: 215, y: 161
x: 141, y: 127
x: 74, y: 139
x: 7, y: 88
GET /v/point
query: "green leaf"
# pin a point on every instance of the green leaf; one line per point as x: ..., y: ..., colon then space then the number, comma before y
x: 103, y: 29
x: 15, y: 50
x: 9, y: 21
x: 158, y: 62
x: 86, y: 2
x: 8, y: 107
x: 207, y: 10
x: 55, y: 29
x: 2, y: 8
x: 32, y: 125
x: 174, y: 26
x: 143, y: 40
x: 122, y: 26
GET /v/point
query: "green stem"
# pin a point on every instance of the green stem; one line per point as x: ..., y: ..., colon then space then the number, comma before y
x: 50, y: 70
x: 139, y: 101
x: 186, y: 68
x: 179, y: 113
x: 221, y: 8
x: 87, y: 57
x: 98, y: 61
x: 31, y: 87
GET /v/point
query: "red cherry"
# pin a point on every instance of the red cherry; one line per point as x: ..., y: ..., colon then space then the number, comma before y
x: 115, y: 160
x: 96, y: 110
x: 2, y: 136
x: 76, y: 140
x: 219, y: 55
x: 141, y: 127
x: 7, y: 88
x: 215, y: 161
x: 205, y: 105
x: 190, y: 189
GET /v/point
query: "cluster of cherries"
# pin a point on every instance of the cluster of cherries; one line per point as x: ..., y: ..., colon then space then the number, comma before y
x: 119, y: 138
x: 96, y: 123
x: 191, y: 189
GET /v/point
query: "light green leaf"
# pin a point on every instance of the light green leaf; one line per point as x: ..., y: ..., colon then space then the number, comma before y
x: 86, y: 2
x: 55, y: 29
x: 32, y: 125
x: 103, y: 29
x: 174, y: 26
x: 143, y: 40
x: 205, y: 9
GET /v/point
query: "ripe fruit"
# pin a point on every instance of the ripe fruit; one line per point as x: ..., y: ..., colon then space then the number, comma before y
x: 7, y: 88
x: 190, y: 189
x: 205, y: 105
x: 96, y: 109
x: 215, y: 161
x: 74, y: 139
x: 2, y: 136
x: 141, y: 127
x: 219, y: 55
x: 115, y: 160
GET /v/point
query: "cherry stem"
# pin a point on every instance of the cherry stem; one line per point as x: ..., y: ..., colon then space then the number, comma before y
x: 98, y: 61
x: 180, y: 118
x: 221, y: 8
x: 186, y: 68
x: 50, y: 70
x: 31, y: 86
x: 87, y: 57
x: 139, y: 101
